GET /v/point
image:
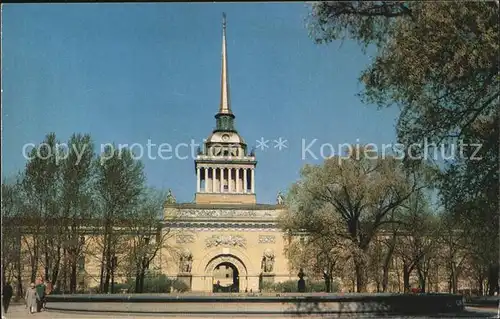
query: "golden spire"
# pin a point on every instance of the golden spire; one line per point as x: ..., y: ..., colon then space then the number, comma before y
x: 225, y: 101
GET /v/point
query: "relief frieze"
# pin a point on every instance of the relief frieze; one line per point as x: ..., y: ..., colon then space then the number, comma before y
x: 184, y: 239
x: 225, y: 240
x: 267, y: 239
x: 223, y: 213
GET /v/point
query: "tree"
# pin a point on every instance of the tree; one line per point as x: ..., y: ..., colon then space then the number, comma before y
x: 11, y: 234
x: 146, y: 234
x: 41, y: 180
x: 319, y: 255
x: 437, y: 61
x: 120, y: 183
x: 453, y: 246
x: 362, y: 191
x: 77, y: 186
x: 416, y: 241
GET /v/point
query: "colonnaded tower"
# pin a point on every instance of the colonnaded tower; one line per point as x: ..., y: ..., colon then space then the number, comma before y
x: 225, y: 241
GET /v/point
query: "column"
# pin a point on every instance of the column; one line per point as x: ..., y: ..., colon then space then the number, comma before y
x: 214, y: 178
x: 229, y: 180
x: 222, y: 179
x: 253, y: 180
x: 198, y: 179
x: 245, y: 173
x: 237, y: 180
x: 207, y: 179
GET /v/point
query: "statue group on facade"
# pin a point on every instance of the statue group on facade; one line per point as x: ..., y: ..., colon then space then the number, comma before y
x: 186, y: 262
x: 170, y: 197
x: 280, y: 199
x: 267, y: 264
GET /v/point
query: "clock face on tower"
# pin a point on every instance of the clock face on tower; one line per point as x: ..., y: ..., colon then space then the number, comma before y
x: 225, y: 137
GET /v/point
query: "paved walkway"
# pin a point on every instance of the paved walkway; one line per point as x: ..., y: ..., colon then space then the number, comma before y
x: 20, y: 312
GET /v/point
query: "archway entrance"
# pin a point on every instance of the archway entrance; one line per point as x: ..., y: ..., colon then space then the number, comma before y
x: 226, y: 278
x: 227, y: 269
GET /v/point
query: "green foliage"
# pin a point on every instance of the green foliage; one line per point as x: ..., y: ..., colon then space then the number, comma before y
x: 153, y: 283
x: 438, y: 62
x: 343, y: 204
x: 291, y: 286
x: 66, y: 188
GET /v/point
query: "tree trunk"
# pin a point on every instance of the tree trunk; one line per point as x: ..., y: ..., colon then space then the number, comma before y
x: 138, y: 282
x: 112, y: 284
x: 103, y: 267
x: 64, y: 279
x: 72, y: 277
x: 480, y: 287
x: 142, y: 277
x: 406, y: 278
x: 20, y: 293
x: 34, y: 261
x: 359, y: 267
x: 492, y: 279
x: 106, y: 274
x: 387, y: 263
x: 422, y: 282
x: 47, y: 260
x: 57, y: 265
x: 422, y: 277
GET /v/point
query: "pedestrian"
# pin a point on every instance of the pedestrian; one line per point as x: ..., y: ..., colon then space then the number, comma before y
x: 32, y: 299
x: 48, y: 291
x: 40, y: 289
x: 6, y: 296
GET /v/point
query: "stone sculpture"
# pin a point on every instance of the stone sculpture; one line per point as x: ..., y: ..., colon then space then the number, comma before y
x: 267, y: 263
x: 170, y: 197
x: 186, y: 261
x: 280, y: 199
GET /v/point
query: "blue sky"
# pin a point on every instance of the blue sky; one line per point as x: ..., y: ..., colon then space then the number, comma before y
x: 129, y: 73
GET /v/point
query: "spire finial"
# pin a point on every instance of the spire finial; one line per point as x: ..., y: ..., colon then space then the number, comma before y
x: 225, y: 102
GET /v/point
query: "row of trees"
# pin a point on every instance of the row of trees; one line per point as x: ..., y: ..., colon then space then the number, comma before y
x: 437, y: 62
x: 76, y: 205
x: 367, y: 220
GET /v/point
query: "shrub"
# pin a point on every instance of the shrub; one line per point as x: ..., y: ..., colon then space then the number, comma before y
x: 179, y: 286
x: 292, y: 286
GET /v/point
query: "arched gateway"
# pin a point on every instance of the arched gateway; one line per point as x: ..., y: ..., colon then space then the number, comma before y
x: 228, y: 273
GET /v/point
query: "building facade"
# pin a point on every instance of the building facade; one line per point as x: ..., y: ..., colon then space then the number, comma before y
x: 227, y: 241
x: 223, y: 241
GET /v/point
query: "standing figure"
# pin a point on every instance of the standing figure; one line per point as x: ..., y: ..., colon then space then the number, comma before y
x: 40, y: 290
x: 301, y: 285
x: 267, y: 263
x: 6, y: 296
x: 328, y: 280
x: 280, y: 200
x: 48, y: 291
x: 186, y: 261
x: 170, y: 197
x: 32, y: 298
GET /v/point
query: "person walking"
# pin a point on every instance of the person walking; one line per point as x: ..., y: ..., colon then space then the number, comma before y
x: 6, y: 296
x: 40, y: 290
x: 48, y: 291
x: 32, y: 299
